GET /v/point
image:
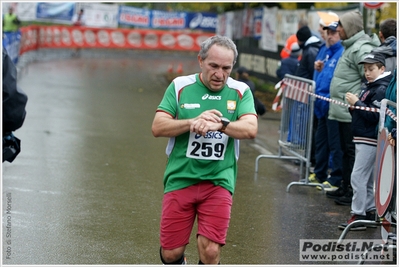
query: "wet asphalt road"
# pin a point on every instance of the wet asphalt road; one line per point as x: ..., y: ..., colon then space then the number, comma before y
x: 87, y: 186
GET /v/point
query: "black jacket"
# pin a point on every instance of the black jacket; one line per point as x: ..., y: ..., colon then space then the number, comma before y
x: 14, y: 99
x: 365, y: 123
x: 288, y: 66
x: 309, y: 52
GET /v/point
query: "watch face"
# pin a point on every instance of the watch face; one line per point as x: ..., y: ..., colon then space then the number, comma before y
x: 225, y: 121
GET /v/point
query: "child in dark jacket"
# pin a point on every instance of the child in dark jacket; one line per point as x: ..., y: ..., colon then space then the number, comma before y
x: 364, y: 129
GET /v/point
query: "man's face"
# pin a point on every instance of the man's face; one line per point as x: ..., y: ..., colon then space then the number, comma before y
x: 216, y: 68
x: 332, y: 37
x: 323, y: 33
x: 341, y: 32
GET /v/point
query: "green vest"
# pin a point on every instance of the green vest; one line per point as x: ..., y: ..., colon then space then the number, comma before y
x: 8, y: 23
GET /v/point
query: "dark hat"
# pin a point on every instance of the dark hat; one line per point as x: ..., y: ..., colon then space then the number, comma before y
x: 332, y: 26
x: 303, y: 34
x: 373, y: 58
x: 241, y: 70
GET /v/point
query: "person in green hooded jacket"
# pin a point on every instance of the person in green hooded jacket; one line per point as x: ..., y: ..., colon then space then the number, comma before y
x: 348, y: 77
x: 10, y: 21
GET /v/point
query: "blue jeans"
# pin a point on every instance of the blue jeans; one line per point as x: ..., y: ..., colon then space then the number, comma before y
x: 328, y: 149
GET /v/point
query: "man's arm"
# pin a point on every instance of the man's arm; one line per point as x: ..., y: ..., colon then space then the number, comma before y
x: 164, y: 125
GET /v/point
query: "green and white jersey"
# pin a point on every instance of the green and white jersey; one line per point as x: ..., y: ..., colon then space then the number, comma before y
x: 193, y: 158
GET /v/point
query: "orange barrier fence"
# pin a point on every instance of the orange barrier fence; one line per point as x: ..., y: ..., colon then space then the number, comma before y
x: 34, y: 37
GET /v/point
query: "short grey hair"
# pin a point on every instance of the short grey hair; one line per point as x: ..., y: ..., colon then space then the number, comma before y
x: 217, y: 40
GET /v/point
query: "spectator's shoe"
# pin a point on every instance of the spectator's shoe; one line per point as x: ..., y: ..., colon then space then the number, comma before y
x: 312, y: 178
x: 358, y: 227
x: 327, y: 187
x: 340, y: 192
x: 345, y: 200
x: 372, y: 216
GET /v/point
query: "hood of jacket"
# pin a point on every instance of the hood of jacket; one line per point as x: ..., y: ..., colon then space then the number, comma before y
x: 313, y: 40
x: 388, y: 48
x: 352, y: 22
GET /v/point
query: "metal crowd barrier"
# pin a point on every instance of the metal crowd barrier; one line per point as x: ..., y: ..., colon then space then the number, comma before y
x: 296, y: 126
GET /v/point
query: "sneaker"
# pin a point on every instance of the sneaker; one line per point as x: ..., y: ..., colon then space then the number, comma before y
x: 312, y: 178
x: 345, y: 200
x: 340, y: 192
x: 327, y: 187
x: 372, y: 216
x: 358, y: 227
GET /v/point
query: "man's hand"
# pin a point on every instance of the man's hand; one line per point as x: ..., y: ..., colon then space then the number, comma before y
x: 208, y: 120
x: 319, y: 65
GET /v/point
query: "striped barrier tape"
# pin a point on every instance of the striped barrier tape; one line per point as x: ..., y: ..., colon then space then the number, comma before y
x: 286, y: 82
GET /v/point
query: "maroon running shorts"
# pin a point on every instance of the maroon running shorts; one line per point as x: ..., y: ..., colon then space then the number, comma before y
x: 212, y: 204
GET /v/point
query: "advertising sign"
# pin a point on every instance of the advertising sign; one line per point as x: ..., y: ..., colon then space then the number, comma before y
x: 225, y: 24
x: 55, y: 11
x: 168, y: 20
x: 139, y: 17
x: 100, y: 15
x: 202, y: 21
x: 258, y: 14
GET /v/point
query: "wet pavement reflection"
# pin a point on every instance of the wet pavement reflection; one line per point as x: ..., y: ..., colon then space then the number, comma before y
x: 87, y: 186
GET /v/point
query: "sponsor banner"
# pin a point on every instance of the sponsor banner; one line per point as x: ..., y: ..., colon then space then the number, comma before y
x: 287, y: 24
x: 248, y: 22
x: 268, y: 35
x: 133, y: 16
x: 26, y: 11
x: 141, y: 17
x: 86, y: 37
x: 202, y: 21
x: 225, y: 24
x: 168, y: 20
x: 59, y: 11
x: 258, y: 16
x: 100, y: 15
x: 367, y: 250
x: 237, y: 24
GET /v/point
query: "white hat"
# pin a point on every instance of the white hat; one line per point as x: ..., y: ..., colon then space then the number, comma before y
x: 327, y: 17
x: 295, y: 49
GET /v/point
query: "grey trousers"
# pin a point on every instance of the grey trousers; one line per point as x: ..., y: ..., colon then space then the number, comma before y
x: 362, y: 179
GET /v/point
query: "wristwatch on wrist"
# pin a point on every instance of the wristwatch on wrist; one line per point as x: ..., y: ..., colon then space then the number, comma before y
x: 225, y: 122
